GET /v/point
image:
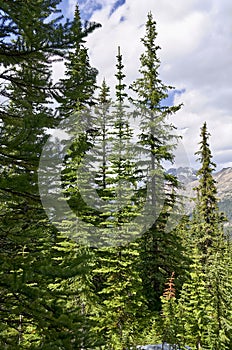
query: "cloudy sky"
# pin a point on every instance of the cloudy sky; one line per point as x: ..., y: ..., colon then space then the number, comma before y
x: 196, y: 57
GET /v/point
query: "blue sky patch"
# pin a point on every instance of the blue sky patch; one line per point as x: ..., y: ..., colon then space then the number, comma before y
x: 169, y: 101
x: 116, y: 5
x: 87, y: 8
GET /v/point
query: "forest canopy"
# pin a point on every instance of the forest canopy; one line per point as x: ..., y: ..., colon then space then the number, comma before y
x: 95, y: 251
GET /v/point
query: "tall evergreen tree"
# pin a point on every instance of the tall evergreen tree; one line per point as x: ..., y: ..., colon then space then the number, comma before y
x: 160, y: 249
x: 121, y: 307
x: 24, y: 120
x: 77, y: 89
x: 37, y: 311
x: 104, y: 102
x: 206, y: 218
x: 77, y: 95
x: 205, y: 299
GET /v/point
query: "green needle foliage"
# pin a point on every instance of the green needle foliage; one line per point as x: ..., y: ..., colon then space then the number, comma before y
x: 38, y: 308
x: 104, y: 285
x: 205, y: 299
x: 207, y: 218
x: 121, y: 307
x: 160, y: 250
x: 77, y: 89
x: 25, y: 232
x: 76, y: 95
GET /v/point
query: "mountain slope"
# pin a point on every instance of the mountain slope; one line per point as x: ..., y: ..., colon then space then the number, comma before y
x: 187, y: 176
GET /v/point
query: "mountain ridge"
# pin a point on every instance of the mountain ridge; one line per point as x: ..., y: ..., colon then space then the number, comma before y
x: 189, y: 179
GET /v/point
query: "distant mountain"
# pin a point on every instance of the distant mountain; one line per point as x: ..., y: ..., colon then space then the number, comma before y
x: 224, y: 183
x: 187, y: 176
x: 184, y: 174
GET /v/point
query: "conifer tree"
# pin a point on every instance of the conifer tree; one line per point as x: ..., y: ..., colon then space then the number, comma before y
x: 37, y: 311
x: 160, y: 249
x: 207, y: 220
x: 209, y: 238
x: 76, y: 96
x: 122, y: 157
x: 205, y: 300
x: 104, y: 102
x: 121, y: 307
x: 168, y: 321
x: 24, y: 119
x: 195, y: 308
x: 219, y: 280
x: 203, y: 310
x: 77, y: 89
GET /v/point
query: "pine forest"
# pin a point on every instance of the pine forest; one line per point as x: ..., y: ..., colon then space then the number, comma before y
x: 95, y: 251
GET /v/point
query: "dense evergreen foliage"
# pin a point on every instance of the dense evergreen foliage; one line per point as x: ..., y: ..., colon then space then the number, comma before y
x: 137, y: 280
x: 160, y: 247
x: 202, y: 312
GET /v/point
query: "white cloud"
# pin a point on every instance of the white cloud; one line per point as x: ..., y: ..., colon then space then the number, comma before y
x: 196, y: 41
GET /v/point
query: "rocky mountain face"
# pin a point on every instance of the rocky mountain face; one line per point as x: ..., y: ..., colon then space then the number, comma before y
x: 224, y: 183
x: 187, y: 176
x: 184, y: 174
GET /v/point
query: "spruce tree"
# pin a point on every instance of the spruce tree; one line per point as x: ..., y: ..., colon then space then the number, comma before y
x: 160, y: 249
x: 104, y: 102
x: 209, y: 238
x: 25, y: 118
x: 206, y: 217
x: 205, y: 300
x: 194, y: 308
x: 37, y: 309
x: 121, y: 307
x: 76, y: 98
x: 168, y: 322
x: 77, y: 88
